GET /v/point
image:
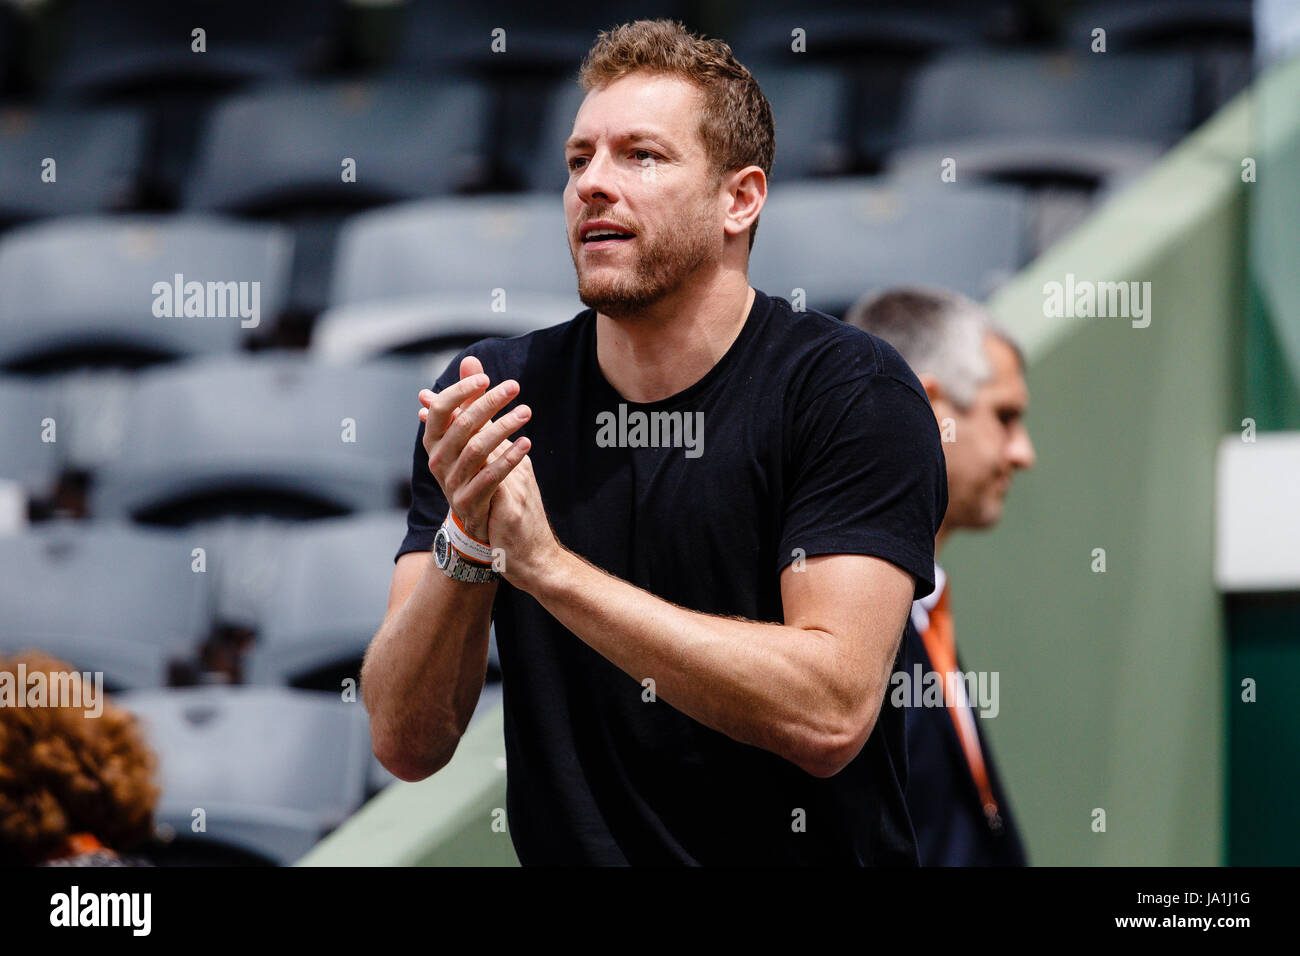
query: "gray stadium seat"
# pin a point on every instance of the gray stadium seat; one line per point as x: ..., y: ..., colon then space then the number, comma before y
x: 1275, y: 31
x: 1029, y: 159
x: 93, y: 405
x: 25, y: 457
x: 314, y: 236
x: 272, y: 768
x: 85, y: 285
x: 1219, y: 34
x: 1068, y: 127
x: 98, y: 156
x: 540, y: 165
x: 978, y: 99
x: 245, y: 557
x: 142, y: 45
x: 331, y: 589
x: 14, y: 506
x: 117, y: 599
x: 877, y: 46
x: 849, y: 28
x: 323, y: 600
x: 278, y: 148
x: 812, y: 112
x: 1067, y: 176
x: 538, y: 37
x: 262, y: 434
x: 462, y: 245
x: 1147, y: 24
x: 315, y: 592
x: 427, y: 324
x: 839, y: 239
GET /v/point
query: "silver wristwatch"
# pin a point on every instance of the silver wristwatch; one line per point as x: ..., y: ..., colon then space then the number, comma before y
x: 451, y: 563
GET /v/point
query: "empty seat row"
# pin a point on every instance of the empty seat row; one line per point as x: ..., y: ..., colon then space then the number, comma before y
x: 122, y: 601
x: 256, y: 774
x: 149, y: 603
x: 149, y: 42
x: 141, y: 288
x: 312, y: 593
x: 261, y: 770
x: 138, y: 286
x: 343, y: 145
x: 825, y: 125
x: 283, y: 149
x: 829, y: 247
x: 266, y: 425
x: 269, y: 433
x: 143, y: 46
x: 439, y: 274
x: 29, y: 451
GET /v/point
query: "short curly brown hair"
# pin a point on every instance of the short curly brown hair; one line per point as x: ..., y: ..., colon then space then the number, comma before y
x: 736, y: 124
x: 63, y: 772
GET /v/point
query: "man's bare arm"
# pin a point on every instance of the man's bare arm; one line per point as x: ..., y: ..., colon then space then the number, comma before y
x: 425, y: 667
x: 809, y: 690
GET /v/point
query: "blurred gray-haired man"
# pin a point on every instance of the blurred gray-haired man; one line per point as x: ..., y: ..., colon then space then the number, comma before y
x: 973, y: 373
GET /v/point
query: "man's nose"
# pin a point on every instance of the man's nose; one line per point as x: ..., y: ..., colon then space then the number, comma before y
x: 596, y: 179
x: 1021, y: 450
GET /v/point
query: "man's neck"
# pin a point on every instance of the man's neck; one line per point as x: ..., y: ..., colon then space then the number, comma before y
x: 673, y: 344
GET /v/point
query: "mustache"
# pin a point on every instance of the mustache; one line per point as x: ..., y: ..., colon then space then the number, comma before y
x: 577, y: 229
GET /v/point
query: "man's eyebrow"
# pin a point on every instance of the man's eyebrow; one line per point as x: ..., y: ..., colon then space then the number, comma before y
x: 577, y: 142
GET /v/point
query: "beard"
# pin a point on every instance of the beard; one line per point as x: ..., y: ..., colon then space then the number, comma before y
x: 666, y: 261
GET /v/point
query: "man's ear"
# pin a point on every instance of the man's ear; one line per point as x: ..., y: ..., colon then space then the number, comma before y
x: 943, y: 406
x: 933, y: 390
x: 747, y: 191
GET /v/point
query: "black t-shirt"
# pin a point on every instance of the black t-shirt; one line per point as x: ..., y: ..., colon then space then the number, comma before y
x: 816, y: 436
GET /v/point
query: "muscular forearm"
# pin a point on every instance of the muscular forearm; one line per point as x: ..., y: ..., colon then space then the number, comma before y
x: 424, y: 672
x: 778, y: 687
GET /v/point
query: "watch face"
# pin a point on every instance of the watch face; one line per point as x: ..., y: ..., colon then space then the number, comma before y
x: 441, y: 547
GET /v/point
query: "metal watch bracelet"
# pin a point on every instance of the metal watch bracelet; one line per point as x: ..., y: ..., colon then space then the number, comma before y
x: 453, y: 564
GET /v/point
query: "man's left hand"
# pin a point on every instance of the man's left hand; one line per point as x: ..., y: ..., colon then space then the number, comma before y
x: 517, y: 524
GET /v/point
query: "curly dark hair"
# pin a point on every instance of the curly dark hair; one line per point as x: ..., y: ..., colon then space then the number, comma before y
x: 63, y: 772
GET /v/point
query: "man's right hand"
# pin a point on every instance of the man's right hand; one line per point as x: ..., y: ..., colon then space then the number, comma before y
x: 469, y: 453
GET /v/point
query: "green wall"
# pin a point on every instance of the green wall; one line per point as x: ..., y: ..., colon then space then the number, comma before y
x: 1113, y: 683
x: 449, y: 819
x: 1264, y: 736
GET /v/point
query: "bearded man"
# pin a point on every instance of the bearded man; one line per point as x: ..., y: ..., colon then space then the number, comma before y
x: 694, y: 641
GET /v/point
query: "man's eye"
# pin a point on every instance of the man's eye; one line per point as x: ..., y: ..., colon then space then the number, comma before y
x: 643, y: 154
x: 573, y: 163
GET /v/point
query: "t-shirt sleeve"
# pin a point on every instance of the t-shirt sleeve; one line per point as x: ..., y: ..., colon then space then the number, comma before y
x: 867, y: 477
x: 428, y: 504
